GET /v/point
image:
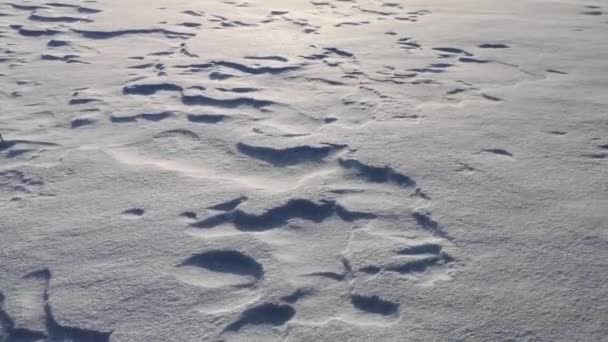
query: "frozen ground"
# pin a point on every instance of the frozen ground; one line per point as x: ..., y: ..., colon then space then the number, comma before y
x: 303, y: 170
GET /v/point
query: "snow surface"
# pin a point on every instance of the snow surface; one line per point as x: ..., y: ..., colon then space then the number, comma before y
x: 303, y: 170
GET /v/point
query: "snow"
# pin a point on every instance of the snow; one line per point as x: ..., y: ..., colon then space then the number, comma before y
x: 310, y: 170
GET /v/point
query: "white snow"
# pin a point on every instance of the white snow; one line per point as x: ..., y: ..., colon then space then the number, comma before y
x: 303, y: 170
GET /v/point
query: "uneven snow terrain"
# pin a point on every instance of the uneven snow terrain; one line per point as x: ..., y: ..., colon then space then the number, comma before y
x: 303, y: 170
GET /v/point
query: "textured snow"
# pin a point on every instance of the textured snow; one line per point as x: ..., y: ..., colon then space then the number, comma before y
x: 303, y: 170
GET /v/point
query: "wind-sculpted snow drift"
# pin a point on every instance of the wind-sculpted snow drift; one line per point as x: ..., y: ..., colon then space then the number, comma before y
x: 306, y: 170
